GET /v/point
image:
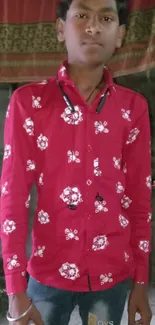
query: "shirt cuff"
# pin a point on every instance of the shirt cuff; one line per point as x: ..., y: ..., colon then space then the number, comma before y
x: 16, y: 283
x: 141, y: 275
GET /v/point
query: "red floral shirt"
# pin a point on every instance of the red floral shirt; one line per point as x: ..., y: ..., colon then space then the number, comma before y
x: 92, y: 171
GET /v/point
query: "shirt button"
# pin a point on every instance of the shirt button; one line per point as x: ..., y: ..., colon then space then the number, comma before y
x: 89, y: 148
x: 89, y: 182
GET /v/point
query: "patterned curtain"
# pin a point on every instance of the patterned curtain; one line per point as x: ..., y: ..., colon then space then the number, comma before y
x: 29, y: 49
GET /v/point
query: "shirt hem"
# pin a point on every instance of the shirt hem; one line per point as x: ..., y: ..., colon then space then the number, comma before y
x: 78, y: 286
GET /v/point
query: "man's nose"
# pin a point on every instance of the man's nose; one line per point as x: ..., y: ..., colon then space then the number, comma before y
x: 93, y: 26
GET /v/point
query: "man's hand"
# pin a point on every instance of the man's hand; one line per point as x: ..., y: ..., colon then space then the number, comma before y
x: 18, y: 304
x: 139, y: 303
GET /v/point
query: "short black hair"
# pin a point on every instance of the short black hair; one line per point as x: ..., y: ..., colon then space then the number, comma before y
x: 121, y: 6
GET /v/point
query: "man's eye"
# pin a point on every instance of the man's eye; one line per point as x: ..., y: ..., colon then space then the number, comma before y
x: 107, y: 19
x: 82, y: 16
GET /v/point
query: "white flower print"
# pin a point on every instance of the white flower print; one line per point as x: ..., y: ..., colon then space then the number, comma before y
x: 144, y: 245
x: 71, y: 195
x: 100, y: 206
x: 13, y: 262
x: 7, y: 151
x: 40, y: 251
x: 105, y: 278
x: 27, y: 203
x: 43, y: 82
x: 117, y: 163
x: 8, y: 111
x: 29, y: 126
x: 119, y: 188
x: 149, y: 217
x: 4, y: 190
x: 97, y: 171
x: 23, y: 273
x: 123, y: 221
x: 149, y: 182
x: 89, y: 182
x: 63, y: 70
x: 36, y: 102
x: 126, y: 202
x: 140, y: 282
x: 126, y: 114
x: 31, y: 165
x: 73, y: 156
x: 73, y: 118
x: 71, y: 234
x: 100, y: 242
x: 9, y: 226
x: 42, y: 142
x: 133, y: 135
x: 101, y: 127
x: 69, y: 271
x: 125, y: 168
x: 43, y: 217
x: 41, y: 179
x: 107, y: 93
x: 126, y: 257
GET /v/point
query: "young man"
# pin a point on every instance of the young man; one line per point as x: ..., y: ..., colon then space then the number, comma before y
x: 85, y: 142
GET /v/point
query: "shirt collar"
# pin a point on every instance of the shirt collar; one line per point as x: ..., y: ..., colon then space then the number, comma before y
x: 63, y: 76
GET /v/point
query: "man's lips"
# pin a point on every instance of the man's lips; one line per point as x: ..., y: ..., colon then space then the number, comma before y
x: 91, y: 43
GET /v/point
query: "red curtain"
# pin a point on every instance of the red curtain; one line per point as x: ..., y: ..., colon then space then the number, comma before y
x: 29, y: 49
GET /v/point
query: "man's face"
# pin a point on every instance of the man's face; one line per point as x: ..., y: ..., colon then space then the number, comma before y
x: 91, y: 31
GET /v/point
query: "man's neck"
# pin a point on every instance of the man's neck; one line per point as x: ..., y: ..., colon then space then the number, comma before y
x: 85, y: 78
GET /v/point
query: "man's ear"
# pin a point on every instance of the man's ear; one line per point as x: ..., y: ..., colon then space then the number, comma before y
x: 60, y: 29
x: 121, y: 36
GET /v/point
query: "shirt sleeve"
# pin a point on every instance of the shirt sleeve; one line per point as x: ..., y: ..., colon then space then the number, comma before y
x: 137, y: 157
x: 17, y: 177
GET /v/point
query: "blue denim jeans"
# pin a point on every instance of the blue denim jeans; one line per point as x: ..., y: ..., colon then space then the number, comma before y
x: 96, y: 308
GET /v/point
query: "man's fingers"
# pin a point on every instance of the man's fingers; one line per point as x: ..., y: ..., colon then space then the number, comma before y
x: 131, y: 316
x: 36, y: 321
x: 146, y: 320
x: 36, y: 318
x: 138, y: 322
